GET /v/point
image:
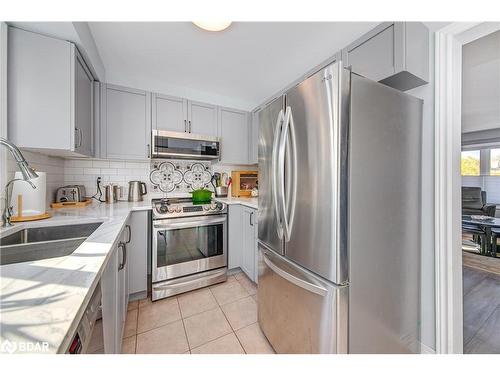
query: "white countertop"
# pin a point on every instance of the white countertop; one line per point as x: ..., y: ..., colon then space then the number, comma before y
x: 42, y: 301
x: 249, y: 202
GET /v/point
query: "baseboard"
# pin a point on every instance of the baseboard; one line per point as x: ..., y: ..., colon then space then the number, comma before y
x: 424, y: 349
x: 137, y: 296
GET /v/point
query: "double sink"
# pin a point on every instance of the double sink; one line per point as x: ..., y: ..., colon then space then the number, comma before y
x: 31, y: 244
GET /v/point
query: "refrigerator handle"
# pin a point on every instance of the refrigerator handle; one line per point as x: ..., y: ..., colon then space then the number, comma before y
x: 275, y: 174
x: 293, y: 279
x: 288, y: 213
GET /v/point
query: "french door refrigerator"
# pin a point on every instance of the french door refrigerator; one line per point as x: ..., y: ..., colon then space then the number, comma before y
x: 339, y: 217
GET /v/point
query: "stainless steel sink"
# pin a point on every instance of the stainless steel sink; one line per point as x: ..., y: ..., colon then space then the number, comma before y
x: 49, y: 233
x: 42, y: 243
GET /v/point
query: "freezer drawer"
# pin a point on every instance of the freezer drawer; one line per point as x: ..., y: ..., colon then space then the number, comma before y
x: 297, y: 311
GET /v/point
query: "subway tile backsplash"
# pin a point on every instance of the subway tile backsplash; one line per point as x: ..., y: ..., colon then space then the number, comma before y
x: 85, y: 172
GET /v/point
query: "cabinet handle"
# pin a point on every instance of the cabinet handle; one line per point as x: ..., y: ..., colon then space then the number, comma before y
x: 189, y: 126
x: 251, y: 217
x: 124, y: 255
x: 185, y: 126
x: 148, y: 151
x: 121, y: 245
x: 129, y: 233
x: 80, y: 137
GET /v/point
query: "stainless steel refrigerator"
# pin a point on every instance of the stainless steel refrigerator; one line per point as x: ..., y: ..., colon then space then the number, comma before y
x: 339, y: 217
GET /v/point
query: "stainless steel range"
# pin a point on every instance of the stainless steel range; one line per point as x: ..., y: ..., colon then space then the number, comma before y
x: 189, y: 246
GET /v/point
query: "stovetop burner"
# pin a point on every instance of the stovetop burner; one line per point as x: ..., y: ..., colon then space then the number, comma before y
x: 183, y: 207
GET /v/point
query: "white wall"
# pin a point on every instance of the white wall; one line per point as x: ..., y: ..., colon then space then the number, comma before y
x: 428, y: 306
x: 481, y: 84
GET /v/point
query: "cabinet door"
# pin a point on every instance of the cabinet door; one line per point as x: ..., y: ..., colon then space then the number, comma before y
x: 109, y: 305
x: 138, y: 252
x: 234, y: 133
x: 393, y: 53
x: 374, y: 57
x: 254, y: 139
x: 84, y: 108
x: 125, y: 123
x: 121, y: 293
x: 235, y: 236
x: 248, y: 256
x: 202, y: 118
x: 40, y: 72
x: 169, y: 113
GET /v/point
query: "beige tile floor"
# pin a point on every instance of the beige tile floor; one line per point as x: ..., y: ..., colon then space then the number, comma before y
x: 220, y: 319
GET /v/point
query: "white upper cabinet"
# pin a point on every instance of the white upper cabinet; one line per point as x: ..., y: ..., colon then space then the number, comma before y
x: 125, y: 122
x: 234, y: 133
x: 50, y: 95
x: 393, y: 53
x: 169, y: 113
x: 202, y: 118
x: 84, y: 108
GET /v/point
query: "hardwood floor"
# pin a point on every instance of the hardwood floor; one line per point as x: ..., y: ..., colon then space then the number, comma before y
x: 481, y: 311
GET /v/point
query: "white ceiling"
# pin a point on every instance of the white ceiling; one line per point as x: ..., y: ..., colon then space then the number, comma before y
x: 241, y: 66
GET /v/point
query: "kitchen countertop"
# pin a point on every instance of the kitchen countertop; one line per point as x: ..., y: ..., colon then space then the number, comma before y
x: 41, y: 302
x: 249, y: 202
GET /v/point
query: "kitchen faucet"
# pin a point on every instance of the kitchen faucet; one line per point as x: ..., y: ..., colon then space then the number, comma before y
x: 27, y: 172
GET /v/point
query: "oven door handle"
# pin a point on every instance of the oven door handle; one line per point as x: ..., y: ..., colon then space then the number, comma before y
x: 169, y: 224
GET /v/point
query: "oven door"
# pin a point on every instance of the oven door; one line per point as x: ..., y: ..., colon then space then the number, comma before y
x: 186, y: 246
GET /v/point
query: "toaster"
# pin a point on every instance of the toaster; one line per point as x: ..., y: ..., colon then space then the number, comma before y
x: 70, y: 193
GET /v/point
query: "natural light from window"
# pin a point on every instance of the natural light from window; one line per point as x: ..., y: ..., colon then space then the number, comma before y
x: 471, y: 163
x: 495, y: 162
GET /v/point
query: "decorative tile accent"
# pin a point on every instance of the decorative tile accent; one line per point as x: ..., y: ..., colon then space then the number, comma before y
x: 181, y: 176
x: 197, y: 176
x: 166, y: 177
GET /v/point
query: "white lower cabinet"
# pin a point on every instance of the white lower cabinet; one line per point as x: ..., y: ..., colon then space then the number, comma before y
x: 137, y: 251
x: 114, y: 286
x: 242, y: 240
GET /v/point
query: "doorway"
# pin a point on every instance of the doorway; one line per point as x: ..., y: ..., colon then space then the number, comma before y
x: 450, y: 284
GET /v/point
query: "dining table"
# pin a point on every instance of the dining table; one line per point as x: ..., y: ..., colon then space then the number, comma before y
x: 486, y: 224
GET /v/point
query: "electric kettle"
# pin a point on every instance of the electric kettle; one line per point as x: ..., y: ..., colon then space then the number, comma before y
x: 136, y: 189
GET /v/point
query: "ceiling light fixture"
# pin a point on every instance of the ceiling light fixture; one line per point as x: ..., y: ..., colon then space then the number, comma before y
x: 213, y: 25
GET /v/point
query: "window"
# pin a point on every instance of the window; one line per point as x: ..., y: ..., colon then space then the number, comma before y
x: 471, y: 163
x: 495, y: 162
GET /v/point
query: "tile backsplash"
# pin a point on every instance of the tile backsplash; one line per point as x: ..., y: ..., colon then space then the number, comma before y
x: 85, y: 172
x: 75, y: 171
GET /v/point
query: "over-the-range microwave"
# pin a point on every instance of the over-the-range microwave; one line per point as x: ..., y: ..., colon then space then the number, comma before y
x: 179, y: 145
